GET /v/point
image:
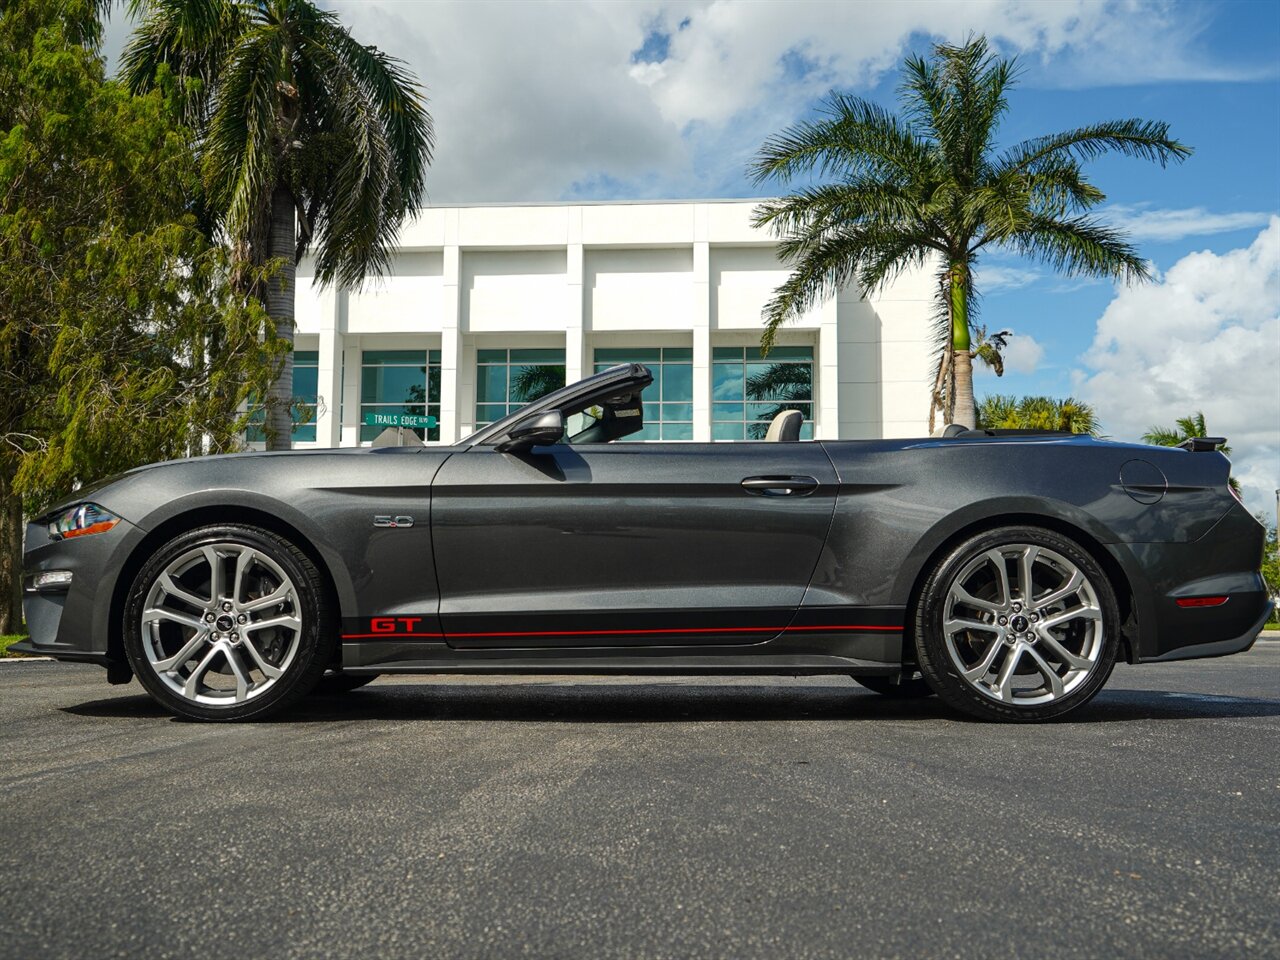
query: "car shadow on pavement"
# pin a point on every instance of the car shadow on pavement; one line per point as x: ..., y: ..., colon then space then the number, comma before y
x: 543, y: 702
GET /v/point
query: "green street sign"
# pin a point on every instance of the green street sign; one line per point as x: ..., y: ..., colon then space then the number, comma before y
x: 399, y: 420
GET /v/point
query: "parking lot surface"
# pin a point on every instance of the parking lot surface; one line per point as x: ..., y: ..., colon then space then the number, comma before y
x: 593, y: 817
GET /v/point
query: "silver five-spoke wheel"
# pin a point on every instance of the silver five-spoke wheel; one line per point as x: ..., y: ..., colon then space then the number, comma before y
x: 1023, y: 624
x: 221, y: 624
x: 1018, y: 623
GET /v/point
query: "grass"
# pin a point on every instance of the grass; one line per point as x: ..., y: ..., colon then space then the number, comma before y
x: 5, y: 640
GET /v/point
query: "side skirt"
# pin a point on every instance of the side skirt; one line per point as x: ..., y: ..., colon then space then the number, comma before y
x: 671, y: 666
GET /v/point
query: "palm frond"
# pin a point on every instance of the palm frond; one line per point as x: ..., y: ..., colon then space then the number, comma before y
x: 1142, y: 139
x: 392, y: 93
x: 856, y: 137
x: 1162, y: 437
x: 816, y: 210
x: 960, y: 95
x: 241, y: 148
x: 823, y: 269
x: 193, y: 38
x: 1079, y: 246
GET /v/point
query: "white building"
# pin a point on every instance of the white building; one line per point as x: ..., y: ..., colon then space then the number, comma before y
x: 488, y: 305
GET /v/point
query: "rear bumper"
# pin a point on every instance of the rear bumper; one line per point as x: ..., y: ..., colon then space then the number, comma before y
x: 1216, y: 648
x: 1224, y: 562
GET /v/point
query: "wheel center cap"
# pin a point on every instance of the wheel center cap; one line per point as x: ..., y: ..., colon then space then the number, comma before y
x: 1018, y: 623
x: 225, y: 622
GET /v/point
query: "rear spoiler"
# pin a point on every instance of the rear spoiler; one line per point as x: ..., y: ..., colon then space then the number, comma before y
x: 1202, y: 444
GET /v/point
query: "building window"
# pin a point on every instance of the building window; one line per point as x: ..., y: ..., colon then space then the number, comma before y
x: 748, y: 391
x: 508, y: 379
x: 306, y: 379
x: 400, y: 381
x: 668, y: 403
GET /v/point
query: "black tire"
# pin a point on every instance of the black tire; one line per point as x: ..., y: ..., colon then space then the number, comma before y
x: 310, y: 646
x: 912, y: 686
x: 335, y: 682
x: 974, y: 696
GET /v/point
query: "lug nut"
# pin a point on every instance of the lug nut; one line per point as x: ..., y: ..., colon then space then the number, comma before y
x: 1035, y: 618
x: 208, y: 618
x: 1003, y: 621
x: 235, y: 637
x: 242, y: 619
x: 226, y: 606
x: 1017, y: 608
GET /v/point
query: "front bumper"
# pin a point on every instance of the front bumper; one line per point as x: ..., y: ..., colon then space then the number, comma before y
x: 74, y: 622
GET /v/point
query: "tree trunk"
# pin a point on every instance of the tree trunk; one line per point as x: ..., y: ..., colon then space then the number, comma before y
x: 10, y: 551
x: 961, y: 347
x: 279, y: 305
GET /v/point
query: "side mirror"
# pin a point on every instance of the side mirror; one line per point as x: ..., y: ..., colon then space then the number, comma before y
x: 538, y: 430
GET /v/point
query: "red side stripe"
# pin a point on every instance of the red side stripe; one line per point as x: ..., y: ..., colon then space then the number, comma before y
x: 361, y: 636
x: 620, y: 633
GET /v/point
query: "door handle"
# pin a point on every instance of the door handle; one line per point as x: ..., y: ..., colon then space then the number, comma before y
x: 780, y: 486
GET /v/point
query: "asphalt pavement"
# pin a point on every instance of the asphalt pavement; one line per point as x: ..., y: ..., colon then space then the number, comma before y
x: 755, y: 817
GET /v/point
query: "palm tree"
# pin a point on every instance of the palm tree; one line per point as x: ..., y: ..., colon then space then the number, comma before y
x: 1003, y: 412
x: 307, y: 139
x: 1184, y: 429
x: 931, y: 186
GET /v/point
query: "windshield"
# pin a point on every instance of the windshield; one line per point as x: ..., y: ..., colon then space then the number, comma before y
x: 615, y: 392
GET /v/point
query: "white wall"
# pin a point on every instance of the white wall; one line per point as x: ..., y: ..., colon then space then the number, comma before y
x: 409, y: 299
x: 513, y: 290
x: 646, y: 289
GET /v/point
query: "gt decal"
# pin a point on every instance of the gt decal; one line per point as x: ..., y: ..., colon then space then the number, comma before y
x: 393, y: 624
x: 388, y: 628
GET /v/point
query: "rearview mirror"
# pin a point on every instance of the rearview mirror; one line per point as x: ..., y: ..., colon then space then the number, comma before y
x: 538, y: 430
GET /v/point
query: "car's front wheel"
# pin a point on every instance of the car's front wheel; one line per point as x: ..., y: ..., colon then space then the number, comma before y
x: 1017, y: 623
x: 228, y: 622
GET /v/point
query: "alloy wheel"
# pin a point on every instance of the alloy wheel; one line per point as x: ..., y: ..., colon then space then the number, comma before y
x: 221, y: 624
x: 1023, y: 625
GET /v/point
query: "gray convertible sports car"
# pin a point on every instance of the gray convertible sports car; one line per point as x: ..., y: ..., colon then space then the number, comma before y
x: 1004, y: 572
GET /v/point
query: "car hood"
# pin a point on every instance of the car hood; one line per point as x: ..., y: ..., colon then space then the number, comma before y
x: 89, y: 490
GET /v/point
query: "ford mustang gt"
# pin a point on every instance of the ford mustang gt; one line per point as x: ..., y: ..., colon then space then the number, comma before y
x: 1004, y: 572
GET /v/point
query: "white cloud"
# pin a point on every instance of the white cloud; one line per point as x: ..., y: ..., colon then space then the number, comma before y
x: 1023, y: 354
x: 990, y: 279
x: 537, y: 101
x: 1143, y: 223
x: 1205, y: 336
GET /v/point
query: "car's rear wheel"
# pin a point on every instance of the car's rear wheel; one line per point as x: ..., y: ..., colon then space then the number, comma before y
x: 228, y: 622
x: 1018, y: 623
x: 335, y: 682
x: 912, y: 686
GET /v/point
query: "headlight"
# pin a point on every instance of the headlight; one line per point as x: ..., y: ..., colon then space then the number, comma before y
x: 80, y: 521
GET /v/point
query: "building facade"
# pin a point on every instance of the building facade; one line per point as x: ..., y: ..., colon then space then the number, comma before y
x: 488, y: 307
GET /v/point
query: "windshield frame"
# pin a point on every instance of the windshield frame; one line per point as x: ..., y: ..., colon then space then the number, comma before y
x: 624, y: 376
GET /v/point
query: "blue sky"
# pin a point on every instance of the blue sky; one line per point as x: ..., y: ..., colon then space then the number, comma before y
x: 609, y: 99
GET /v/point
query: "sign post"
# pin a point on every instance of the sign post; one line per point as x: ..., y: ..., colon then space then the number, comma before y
x: 400, y: 421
